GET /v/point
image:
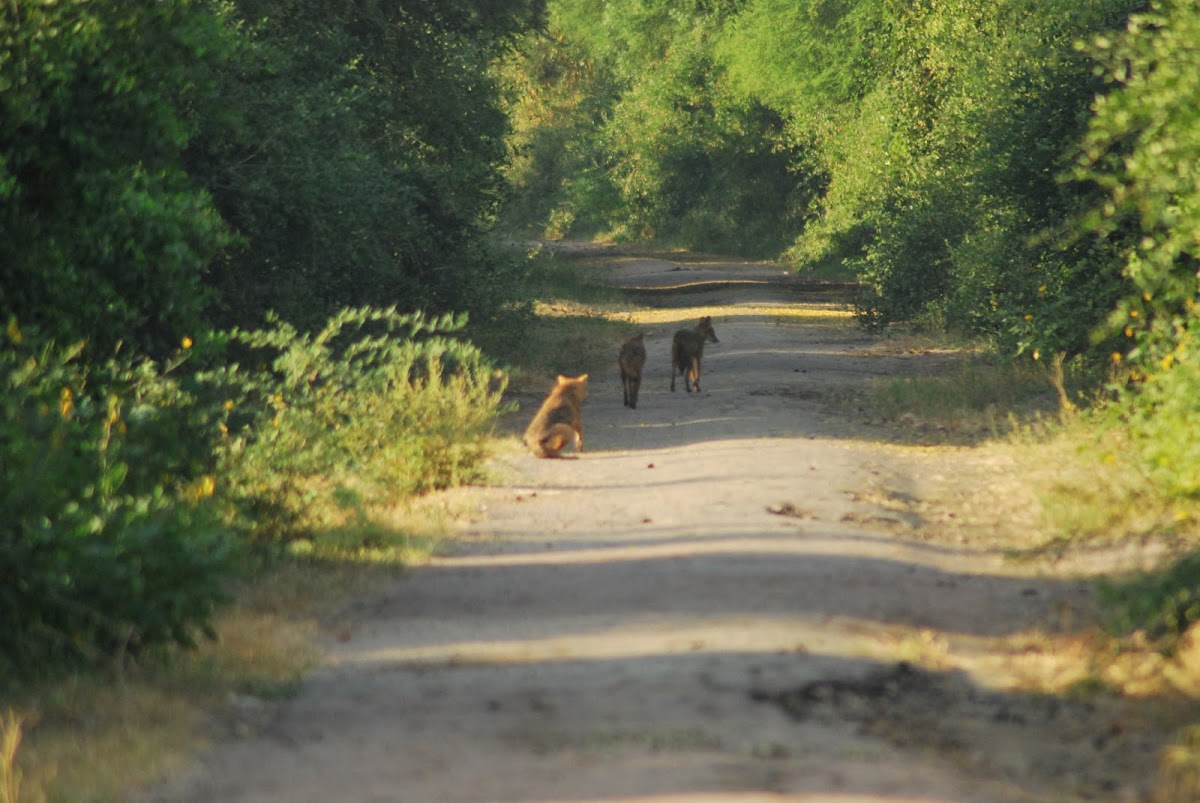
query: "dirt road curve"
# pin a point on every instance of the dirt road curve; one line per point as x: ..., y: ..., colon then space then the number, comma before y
x: 735, y: 595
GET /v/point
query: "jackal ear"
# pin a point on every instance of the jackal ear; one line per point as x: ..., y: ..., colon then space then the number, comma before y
x: 562, y: 380
x: 706, y: 319
x: 581, y: 378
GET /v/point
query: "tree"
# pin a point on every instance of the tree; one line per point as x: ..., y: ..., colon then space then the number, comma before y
x: 103, y: 237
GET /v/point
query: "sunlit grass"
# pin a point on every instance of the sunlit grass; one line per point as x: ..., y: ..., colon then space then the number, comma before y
x: 969, y: 396
x: 11, y: 724
x: 1179, y: 770
x: 92, y: 739
x: 1092, y: 494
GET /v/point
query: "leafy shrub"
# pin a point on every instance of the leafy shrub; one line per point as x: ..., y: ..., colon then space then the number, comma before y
x: 1160, y: 412
x: 985, y: 105
x: 1142, y: 147
x: 111, y: 542
x: 382, y: 403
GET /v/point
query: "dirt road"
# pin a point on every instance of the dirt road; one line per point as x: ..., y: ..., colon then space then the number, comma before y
x: 741, y: 594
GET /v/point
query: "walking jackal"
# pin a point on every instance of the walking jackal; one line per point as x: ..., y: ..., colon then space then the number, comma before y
x: 559, y: 422
x: 686, y: 350
x: 632, y: 360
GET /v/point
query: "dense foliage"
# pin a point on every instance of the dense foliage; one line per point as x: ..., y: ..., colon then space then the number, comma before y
x: 625, y: 124
x: 170, y: 165
x: 103, y: 236
x: 924, y: 145
x: 201, y: 203
x: 1143, y: 148
x: 357, y: 155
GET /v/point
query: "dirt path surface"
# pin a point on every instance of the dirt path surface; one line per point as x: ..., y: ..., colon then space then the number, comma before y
x: 740, y: 595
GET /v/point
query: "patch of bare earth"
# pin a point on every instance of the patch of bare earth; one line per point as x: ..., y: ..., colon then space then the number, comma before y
x: 742, y: 594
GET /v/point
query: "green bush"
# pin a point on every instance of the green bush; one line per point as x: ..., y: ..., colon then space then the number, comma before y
x: 168, y: 166
x: 1159, y: 413
x: 111, y: 542
x: 378, y: 403
x: 1142, y: 148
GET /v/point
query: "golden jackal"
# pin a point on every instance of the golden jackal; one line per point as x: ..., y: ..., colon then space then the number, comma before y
x: 632, y: 360
x: 559, y: 421
x: 686, y: 350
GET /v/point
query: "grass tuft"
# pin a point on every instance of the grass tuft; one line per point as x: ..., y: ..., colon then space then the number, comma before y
x: 11, y: 723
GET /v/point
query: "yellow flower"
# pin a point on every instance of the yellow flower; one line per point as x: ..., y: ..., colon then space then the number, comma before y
x: 186, y: 342
x: 65, y: 402
x: 228, y: 405
x: 205, y: 487
x: 14, y: 331
x: 1133, y: 313
x: 1042, y: 290
x: 1128, y: 331
x: 1116, y: 358
x: 1028, y: 317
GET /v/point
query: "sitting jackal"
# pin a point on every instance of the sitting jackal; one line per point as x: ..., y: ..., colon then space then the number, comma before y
x: 687, y: 349
x: 632, y: 360
x: 559, y: 421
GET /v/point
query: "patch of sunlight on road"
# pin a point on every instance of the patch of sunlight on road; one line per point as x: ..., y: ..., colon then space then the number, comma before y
x: 676, y: 424
x: 1026, y: 660
x: 841, y: 636
x: 890, y: 548
x: 791, y: 312
x: 805, y: 312
x: 759, y: 797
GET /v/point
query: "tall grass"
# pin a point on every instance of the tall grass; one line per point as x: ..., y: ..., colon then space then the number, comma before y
x: 971, y: 397
x: 11, y: 723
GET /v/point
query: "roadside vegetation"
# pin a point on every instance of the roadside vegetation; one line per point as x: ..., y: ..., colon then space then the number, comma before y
x: 254, y: 304
x: 239, y: 243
